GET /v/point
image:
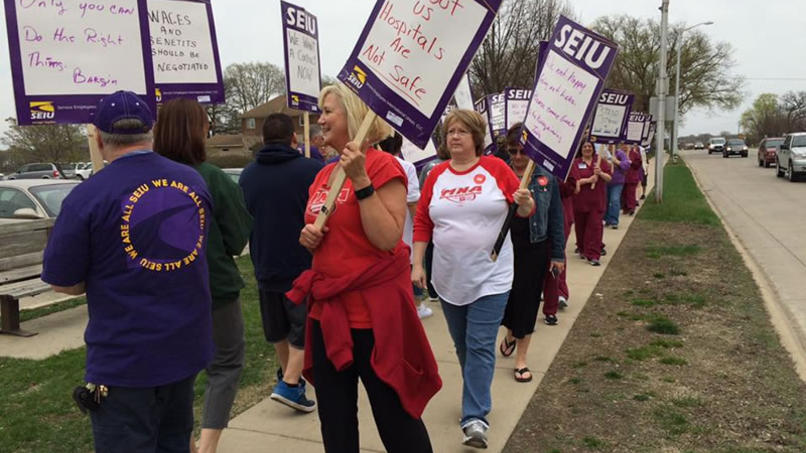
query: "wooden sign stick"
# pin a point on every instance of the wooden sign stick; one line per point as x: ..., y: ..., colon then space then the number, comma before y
x: 95, y: 153
x: 339, y: 177
x: 599, y: 163
x: 307, y: 131
x: 527, y: 176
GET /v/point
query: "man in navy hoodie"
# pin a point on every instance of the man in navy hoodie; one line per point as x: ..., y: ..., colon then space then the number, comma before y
x: 276, y: 186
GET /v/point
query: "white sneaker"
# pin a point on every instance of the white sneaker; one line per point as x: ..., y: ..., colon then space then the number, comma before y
x: 433, y: 299
x: 423, y: 311
x: 475, y: 434
x: 563, y: 302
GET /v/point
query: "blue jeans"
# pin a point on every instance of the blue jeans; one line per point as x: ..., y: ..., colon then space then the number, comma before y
x: 613, y: 203
x: 474, y: 329
x: 140, y: 420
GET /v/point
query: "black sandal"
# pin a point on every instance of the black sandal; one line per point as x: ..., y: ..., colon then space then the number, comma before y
x: 506, y: 348
x: 519, y: 372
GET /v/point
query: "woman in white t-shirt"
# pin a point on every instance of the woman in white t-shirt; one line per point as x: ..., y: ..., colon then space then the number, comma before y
x: 463, y: 205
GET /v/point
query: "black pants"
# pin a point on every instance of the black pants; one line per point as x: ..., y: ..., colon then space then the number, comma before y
x: 429, y: 260
x: 337, y: 400
x: 531, y: 263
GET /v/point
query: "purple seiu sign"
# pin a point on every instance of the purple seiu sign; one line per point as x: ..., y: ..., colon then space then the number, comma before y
x: 184, y: 50
x: 649, y: 132
x: 567, y: 87
x: 636, y: 125
x: 517, y: 102
x: 610, y: 118
x: 482, y: 106
x: 303, y: 78
x: 66, y: 56
x: 411, y: 56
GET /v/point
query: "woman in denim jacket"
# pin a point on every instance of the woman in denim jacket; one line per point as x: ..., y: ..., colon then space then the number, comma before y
x: 539, y: 245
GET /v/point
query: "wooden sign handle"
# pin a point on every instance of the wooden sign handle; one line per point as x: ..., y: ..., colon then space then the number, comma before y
x: 599, y: 163
x: 339, y: 177
x: 307, y: 132
x: 502, y: 235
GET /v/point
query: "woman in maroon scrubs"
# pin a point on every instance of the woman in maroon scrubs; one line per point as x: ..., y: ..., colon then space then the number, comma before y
x: 631, y: 180
x: 593, y: 173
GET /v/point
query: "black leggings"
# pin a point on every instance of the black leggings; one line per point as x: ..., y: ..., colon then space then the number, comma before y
x: 337, y: 400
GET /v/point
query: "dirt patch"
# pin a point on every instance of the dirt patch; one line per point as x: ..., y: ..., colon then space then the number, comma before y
x: 624, y: 381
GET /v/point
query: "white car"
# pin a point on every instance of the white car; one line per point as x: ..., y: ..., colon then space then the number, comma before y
x: 26, y: 199
x: 83, y: 170
x: 790, y: 160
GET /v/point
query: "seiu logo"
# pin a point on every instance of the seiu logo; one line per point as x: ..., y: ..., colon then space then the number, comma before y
x: 294, y: 99
x: 320, y: 198
x: 159, y: 95
x: 42, y: 110
x: 357, y: 78
x: 460, y: 194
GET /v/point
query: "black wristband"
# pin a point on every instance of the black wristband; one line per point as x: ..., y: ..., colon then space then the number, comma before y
x: 366, y: 192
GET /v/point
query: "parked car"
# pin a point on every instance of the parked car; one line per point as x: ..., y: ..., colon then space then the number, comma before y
x: 734, y: 146
x: 767, y: 150
x: 699, y: 145
x: 38, y: 171
x: 791, y: 157
x: 83, y: 170
x: 716, y: 145
x: 234, y: 173
x: 32, y: 199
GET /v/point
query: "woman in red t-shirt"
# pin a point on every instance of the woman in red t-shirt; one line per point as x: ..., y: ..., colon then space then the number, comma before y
x: 592, y: 175
x: 361, y: 304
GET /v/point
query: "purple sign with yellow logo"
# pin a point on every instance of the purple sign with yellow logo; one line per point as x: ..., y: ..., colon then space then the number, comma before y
x: 65, y: 56
x: 185, y: 51
x: 301, y: 43
x: 611, y: 116
x: 567, y: 86
x: 411, y: 56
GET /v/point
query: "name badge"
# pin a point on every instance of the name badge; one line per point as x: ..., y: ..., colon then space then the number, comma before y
x: 583, y: 165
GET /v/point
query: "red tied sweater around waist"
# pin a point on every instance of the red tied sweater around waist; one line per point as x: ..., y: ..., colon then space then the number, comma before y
x: 402, y: 356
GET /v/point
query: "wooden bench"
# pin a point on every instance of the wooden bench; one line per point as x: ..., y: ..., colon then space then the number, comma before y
x: 21, y: 248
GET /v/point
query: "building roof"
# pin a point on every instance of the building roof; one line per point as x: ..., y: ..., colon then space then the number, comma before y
x: 276, y: 105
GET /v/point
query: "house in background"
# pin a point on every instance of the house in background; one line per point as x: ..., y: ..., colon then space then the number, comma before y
x: 252, y: 121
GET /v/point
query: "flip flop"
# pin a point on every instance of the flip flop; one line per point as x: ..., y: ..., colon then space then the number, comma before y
x: 506, y: 348
x: 519, y: 372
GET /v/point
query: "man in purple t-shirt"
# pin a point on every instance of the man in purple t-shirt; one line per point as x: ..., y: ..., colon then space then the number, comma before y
x: 133, y: 237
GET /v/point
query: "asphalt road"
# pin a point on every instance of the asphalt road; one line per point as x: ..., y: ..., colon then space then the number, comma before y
x: 768, y: 216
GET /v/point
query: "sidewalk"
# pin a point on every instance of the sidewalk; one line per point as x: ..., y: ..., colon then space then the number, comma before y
x: 271, y: 424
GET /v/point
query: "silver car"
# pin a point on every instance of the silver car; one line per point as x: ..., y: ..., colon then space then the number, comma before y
x: 790, y: 159
x: 38, y: 170
x: 32, y: 199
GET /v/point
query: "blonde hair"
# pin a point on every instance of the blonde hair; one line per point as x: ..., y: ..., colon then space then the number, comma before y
x: 473, y: 120
x: 355, y: 109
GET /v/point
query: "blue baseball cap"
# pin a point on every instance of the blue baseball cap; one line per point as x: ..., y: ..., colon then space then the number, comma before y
x: 122, y: 105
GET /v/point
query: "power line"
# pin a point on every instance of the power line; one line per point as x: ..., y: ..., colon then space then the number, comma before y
x: 777, y: 78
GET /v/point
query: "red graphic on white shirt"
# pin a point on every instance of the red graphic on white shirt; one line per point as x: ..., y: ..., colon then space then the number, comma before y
x: 461, y: 194
x: 479, y: 179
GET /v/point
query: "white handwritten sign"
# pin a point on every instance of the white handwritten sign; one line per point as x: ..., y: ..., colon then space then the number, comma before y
x: 63, y: 50
x: 517, y: 104
x: 559, y: 103
x: 302, y: 74
x: 611, y: 116
x: 410, y: 58
x: 181, y: 44
x: 414, y: 154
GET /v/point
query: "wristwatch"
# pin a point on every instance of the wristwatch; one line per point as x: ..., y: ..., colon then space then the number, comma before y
x: 366, y: 192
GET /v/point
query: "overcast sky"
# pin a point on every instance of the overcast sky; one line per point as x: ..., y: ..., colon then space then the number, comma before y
x: 768, y: 45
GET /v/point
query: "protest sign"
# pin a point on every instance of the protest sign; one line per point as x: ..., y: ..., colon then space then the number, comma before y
x: 497, y: 114
x: 636, y: 126
x: 66, y: 56
x: 567, y: 87
x: 650, y: 132
x: 517, y: 101
x: 417, y: 156
x: 303, y: 79
x: 481, y: 106
x: 611, y: 115
x: 463, y: 95
x: 185, y: 51
x: 410, y: 57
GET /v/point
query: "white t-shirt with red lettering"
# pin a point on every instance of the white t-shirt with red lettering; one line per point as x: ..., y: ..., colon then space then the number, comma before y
x: 463, y: 212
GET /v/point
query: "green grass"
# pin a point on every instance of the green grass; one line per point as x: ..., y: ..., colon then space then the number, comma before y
x: 37, y: 413
x: 592, y: 442
x: 682, y: 200
x: 643, y: 302
x: 677, y: 361
x: 671, y: 420
x: 27, y: 315
x: 613, y: 375
x: 667, y: 344
x: 663, y: 325
x: 643, y: 353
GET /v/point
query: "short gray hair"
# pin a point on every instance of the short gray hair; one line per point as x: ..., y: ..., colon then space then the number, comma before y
x: 122, y: 140
x: 316, y: 130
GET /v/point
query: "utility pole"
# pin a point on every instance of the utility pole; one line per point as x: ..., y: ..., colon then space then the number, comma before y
x: 663, y: 89
x: 675, y: 129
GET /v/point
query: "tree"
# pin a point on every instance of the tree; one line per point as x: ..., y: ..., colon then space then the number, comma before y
x: 46, y: 143
x: 508, y: 55
x: 773, y: 116
x: 705, y: 79
x: 246, y: 86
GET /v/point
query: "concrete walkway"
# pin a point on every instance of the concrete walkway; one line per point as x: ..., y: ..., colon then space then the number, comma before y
x: 269, y: 426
